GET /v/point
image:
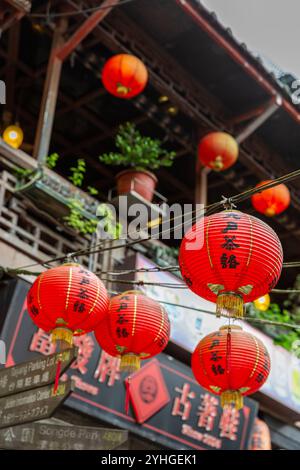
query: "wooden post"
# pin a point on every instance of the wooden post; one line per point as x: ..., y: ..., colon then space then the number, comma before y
x: 59, y: 52
x: 49, y: 99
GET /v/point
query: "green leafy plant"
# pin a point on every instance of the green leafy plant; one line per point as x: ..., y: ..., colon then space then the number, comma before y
x: 25, y: 174
x: 77, y: 221
x: 78, y: 172
x: 52, y: 160
x: 282, y: 336
x: 137, y: 151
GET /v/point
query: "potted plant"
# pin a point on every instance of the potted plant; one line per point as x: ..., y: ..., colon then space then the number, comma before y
x: 141, y: 154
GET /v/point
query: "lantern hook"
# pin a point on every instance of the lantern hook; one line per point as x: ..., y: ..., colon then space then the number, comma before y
x: 227, y: 203
x: 70, y: 257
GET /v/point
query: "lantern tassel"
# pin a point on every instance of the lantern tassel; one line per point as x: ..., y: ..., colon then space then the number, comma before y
x: 230, y: 304
x: 122, y: 89
x: 57, y: 375
x: 127, y: 395
x: 130, y: 363
x: 63, y: 339
x: 232, y: 397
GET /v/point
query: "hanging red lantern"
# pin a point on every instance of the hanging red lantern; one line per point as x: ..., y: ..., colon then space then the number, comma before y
x: 218, y: 151
x: 136, y: 328
x: 124, y: 76
x: 67, y: 300
x: 271, y: 201
x: 230, y: 258
x: 231, y: 363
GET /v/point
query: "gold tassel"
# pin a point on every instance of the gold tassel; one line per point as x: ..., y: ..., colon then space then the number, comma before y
x: 230, y: 304
x: 130, y: 363
x: 62, y: 334
x: 122, y: 89
x: 232, y: 397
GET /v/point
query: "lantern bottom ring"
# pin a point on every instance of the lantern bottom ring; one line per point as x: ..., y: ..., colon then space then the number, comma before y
x: 130, y: 363
x: 232, y: 397
x: 230, y: 304
x: 62, y: 334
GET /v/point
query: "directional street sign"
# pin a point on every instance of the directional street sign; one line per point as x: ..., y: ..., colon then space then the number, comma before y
x: 35, y: 373
x: 46, y: 436
x: 32, y: 405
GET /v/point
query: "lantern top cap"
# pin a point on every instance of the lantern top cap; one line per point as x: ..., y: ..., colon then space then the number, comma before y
x: 69, y: 263
x: 230, y: 327
x: 137, y: 292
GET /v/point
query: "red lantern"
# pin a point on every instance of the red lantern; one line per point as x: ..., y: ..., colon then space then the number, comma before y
x: 218, y: 151
x: 136, y: 328
x: 230, y: 258
x: 231, y: 363
x: 67, y: 300
x: 124, y: 76
x: 271, y: 201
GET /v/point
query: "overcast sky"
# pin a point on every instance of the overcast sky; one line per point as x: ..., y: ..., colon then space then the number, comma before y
x: 269, y: 27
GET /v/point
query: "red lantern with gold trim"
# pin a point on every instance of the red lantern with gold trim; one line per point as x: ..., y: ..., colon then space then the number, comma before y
x: 231, y: 363
x: 124, y: 76
x: 218, y: 151
x: 230, y: 258
x: 271, y: 201
x: 136, y: 328
x: 67, y: 300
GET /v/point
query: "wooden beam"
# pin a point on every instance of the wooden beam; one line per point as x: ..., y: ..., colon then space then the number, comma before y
x: 49, y: 98
x: 90, y: 23
x: 59, y: 52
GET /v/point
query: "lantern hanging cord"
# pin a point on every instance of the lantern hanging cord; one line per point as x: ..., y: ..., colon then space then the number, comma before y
x: 54, y: 15
x: 207, y: 210
x: 247, y: 318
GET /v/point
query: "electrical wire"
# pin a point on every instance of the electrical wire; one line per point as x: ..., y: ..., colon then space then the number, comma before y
x: 225, y: 202
x: 245, y: 318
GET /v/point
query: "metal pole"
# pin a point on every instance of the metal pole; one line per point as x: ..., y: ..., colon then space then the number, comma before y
x: 256, y: 123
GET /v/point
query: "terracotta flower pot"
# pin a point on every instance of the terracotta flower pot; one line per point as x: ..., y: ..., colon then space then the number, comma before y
x: 141, y: 181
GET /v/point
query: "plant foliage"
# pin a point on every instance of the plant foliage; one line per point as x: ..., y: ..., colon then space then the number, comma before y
x: 137, y: 151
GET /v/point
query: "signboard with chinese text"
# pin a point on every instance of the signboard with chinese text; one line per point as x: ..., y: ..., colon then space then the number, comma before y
x: 33, y: 374
x: 188, y: 417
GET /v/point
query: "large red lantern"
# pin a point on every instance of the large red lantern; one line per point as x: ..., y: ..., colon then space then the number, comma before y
x: 136, y: 328
x: 271, y: 201
x: 231, y: 363
x: 67, y: 300
x: 218, y: 151
x: 230, y: 258
x: 124, y: 76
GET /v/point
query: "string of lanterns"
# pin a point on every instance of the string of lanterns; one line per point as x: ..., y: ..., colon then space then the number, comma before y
x: 69, y: 300
x: 229, y: 258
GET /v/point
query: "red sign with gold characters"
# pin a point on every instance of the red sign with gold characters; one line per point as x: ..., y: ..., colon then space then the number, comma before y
x: 167, y: 404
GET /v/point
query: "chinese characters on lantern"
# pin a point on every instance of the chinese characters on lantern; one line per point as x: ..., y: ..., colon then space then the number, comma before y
x: 79, y: 304
x: 229, y: 260
x: 122, y: 319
